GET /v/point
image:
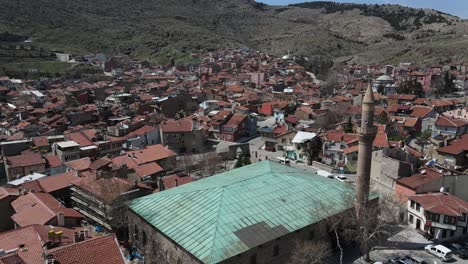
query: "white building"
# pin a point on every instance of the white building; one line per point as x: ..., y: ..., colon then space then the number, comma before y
x: 441, y: 215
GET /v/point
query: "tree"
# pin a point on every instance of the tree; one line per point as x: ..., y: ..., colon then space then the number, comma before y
x: 330, y: 84
x: 310, y: 252
x: 313, y: 150
x: 449, y: 85
x: 349, y: 127
x: 411, y: 87
x: 382, y: 118
x: 381, y: 89
x: 424, y: 138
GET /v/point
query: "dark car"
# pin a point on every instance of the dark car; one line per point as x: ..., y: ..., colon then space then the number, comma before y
x: 413, y: 260
x: 458, y: 250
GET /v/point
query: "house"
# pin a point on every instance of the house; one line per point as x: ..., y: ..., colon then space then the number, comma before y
x: 101, y: 200
x: 454, y: 154
x: 105, y: 249
x: 182, y: 135
x: 389, y: 165
x: 276, y: 216
x: 21, y: 165
x: 175, y: 180
x: 43, y: 209
x: 235, y: 128
x: 300, y: 145
x: 404, y: 126
x: 442, y: 216
x: 66, y: 150
x: 147, y: 163
x: 432, y: 179
x: 7, y: 195
x: 451, y: 126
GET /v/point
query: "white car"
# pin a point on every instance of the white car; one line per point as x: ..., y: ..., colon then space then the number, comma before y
x: 439, y: 251
x: 341, y: 178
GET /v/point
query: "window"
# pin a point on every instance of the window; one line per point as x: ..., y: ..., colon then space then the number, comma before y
x: 444, y: 233
x: 276, y: 251
x: 452, y: 233
x: 449, y: 220
x: 433, y: 217
x: 253, y: 259
x: 144, y: 238
x: 136, y: 232
x: 411, y: 219
x: 418, y: 207
x: 311, y: 235
x: 465, y: 230
x: 462, y: 218
x: 412, y: 204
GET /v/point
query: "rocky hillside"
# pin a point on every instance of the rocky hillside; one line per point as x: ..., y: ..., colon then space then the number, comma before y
x: 159, y: 30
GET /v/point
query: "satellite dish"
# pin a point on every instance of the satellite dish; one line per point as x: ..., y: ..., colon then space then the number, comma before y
x: 442, y: 189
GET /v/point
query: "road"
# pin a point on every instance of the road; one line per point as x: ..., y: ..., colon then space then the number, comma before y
x: 259, y: 154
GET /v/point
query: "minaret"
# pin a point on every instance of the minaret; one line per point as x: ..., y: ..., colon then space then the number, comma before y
x: 367, y: 133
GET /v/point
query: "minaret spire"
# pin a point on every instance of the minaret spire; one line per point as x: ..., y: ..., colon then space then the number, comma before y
x: 366, y: 133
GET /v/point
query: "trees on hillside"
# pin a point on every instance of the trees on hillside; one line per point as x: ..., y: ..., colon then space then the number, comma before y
x: 411, y: 87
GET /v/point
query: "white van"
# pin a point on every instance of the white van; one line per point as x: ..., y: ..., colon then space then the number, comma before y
x: 283, y: 160
x: 325, y: 174
x: 439, y: 251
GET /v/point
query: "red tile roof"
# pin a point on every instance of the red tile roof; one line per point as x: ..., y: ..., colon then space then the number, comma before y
x: 7, y: 192
x: 456, y: 146
x: 170, y: 181
x: 27, y: 236
x: 417, y: 180
x: 106, y: 189
x: 152, y: 153
x: 79, y: 138
x: 420, y: 111
x: 39, y: 208
x: 97, y: 164
x: 450, y: 122
x: 266, y: 109
x: 53, y: 161
x: 40, y: 141
x: 441, y: 203
x: 148, y: 169
x: 57, y: 182
x: 94, y: 251
x: 172, y: 126
x: 79, y: 164
x: 235, y: 120
x: 381, y: 140
x: 25, y: 159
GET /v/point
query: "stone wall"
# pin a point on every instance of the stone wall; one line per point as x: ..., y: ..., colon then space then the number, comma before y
x: 160, y: 249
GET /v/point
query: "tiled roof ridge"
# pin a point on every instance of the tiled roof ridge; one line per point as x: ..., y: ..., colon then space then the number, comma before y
x: 217, y: 224
x: 44, y: 204
x: 78, y: 243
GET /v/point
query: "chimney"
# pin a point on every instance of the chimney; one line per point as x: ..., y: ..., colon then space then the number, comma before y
x: 176, y: 182
x: 60, y: 219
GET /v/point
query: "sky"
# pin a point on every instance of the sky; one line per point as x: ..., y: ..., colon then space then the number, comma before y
x: 453, y: 7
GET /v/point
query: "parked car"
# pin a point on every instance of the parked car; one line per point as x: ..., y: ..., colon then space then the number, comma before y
x: 439, y: 251
x: 325, y: 174
x: 395, y: 260
x: 458, y: 250
x: 341, y: 178
x: 413, y: 260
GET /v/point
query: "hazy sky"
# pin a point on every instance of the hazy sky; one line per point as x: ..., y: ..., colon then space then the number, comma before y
x: 454, y: 7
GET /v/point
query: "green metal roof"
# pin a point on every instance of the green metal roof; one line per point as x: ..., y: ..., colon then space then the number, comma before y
x: 224, y: 215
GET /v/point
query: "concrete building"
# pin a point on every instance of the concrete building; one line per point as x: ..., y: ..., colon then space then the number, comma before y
x: 247, y: 215
x: 66, y: 150
x: 388, y: 165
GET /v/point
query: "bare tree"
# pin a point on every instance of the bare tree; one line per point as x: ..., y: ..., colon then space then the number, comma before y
x: 368, y: 229
x: 310, y: 252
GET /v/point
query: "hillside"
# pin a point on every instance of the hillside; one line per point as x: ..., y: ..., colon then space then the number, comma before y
x: 159, y: 30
